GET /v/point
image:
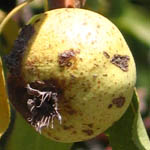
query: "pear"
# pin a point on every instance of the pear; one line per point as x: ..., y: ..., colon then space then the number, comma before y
x: 71, y: 74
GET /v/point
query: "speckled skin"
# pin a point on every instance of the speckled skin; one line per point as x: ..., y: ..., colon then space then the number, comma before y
x: 88, y: 79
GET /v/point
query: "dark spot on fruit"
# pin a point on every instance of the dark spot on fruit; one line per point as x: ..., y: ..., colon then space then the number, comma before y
x: 70, y: 110
x: 110, y: 106
x: 56, y: 138
x: 81, y: 59
x: 48, y: 133
x: 121, y: 62
x: 74, y: 132
x: 119, y: 102
x: 37, y: 102
x: 37, y: 21
x: 106, y: 55
x: 81, y: 73
x: 14, y: 59
x: 64, y: 59
x: 43, y: 106
x: 105, y: 75
x: 67, y: 127
x: 88, y: 132
x: 90, y: 125
x: 98, y: 26
x: 98, y: 82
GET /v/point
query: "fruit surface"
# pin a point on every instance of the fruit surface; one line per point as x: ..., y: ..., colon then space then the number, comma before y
x: 73, y: 75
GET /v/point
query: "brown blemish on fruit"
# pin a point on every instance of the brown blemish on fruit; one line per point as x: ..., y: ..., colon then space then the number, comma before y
x: 43, y: 106
x: 64, y: 59
x: 74, y: 132
x: 14, y: 59
x: 119, y: 102
x: 48, y: 133
x: 56, y: 138
x: 37, y: 20
x: 105, y: 75
x: 69, y: 110
x: 98, y: 82
x: 67, y: 127
x: 110, y: 106
x: 90, y: 125
x: 81, y: 73
x: 89, y: 132
x: 121, y: 62
x: 37, y: 102
x: 106, y: 55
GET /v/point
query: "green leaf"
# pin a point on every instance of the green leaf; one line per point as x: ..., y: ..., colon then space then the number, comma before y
x: 140, y: 137
x: 129, y: 132
x: 136, y: 22
x: 4, y: 105
x: 24, y: 137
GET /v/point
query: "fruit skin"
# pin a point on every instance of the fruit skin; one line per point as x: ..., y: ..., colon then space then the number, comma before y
x: 83, y: 59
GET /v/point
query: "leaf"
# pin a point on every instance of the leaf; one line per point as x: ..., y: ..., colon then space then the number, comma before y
x: 129, y: 132
x: 136, y: 26
x: 24, y: 137
x: 4, y: 106
x: 140, y: 137
x: 12, y: 13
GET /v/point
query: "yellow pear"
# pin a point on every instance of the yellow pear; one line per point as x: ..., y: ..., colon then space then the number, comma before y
x: 71, y: 74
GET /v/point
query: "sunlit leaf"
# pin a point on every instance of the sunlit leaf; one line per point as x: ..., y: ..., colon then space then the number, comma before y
x: 24, y: 137
x: 139, y: 134
x: 129, y: 132
x: 4, y: 106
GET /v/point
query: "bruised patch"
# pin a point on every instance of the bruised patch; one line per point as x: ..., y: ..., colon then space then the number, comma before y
x: 119, y: 102
x: 67, y: 127
x: 110, y: 106
x: 43, y: 106
x: 13, y: 60
x: 106, y: 55
x: 121, y: 62
x: 88, y: 132
x: 64, y: 59
x: 90, y: 125
x: 37, y: 102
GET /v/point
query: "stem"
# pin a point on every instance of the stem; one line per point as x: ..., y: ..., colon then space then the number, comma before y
x: 53, y: 4
x: 45, y: 5
x: 12, y: 13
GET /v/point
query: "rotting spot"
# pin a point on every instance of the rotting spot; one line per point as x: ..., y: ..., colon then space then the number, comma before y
x: 121, y: 61
x: 37, y: 20
x: 110, y: 106
x: 74, y: 132
x: 43, y: 106
x: 65, y: 57
x: 56, y: 138
x: 105, y: 75
x: 67, y: 127
x: 90, y: 125
x: 88, y: 132
x: 106, y: 55
x: 119, y: 102
x: 70, y: 110
x: 13, y: 60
